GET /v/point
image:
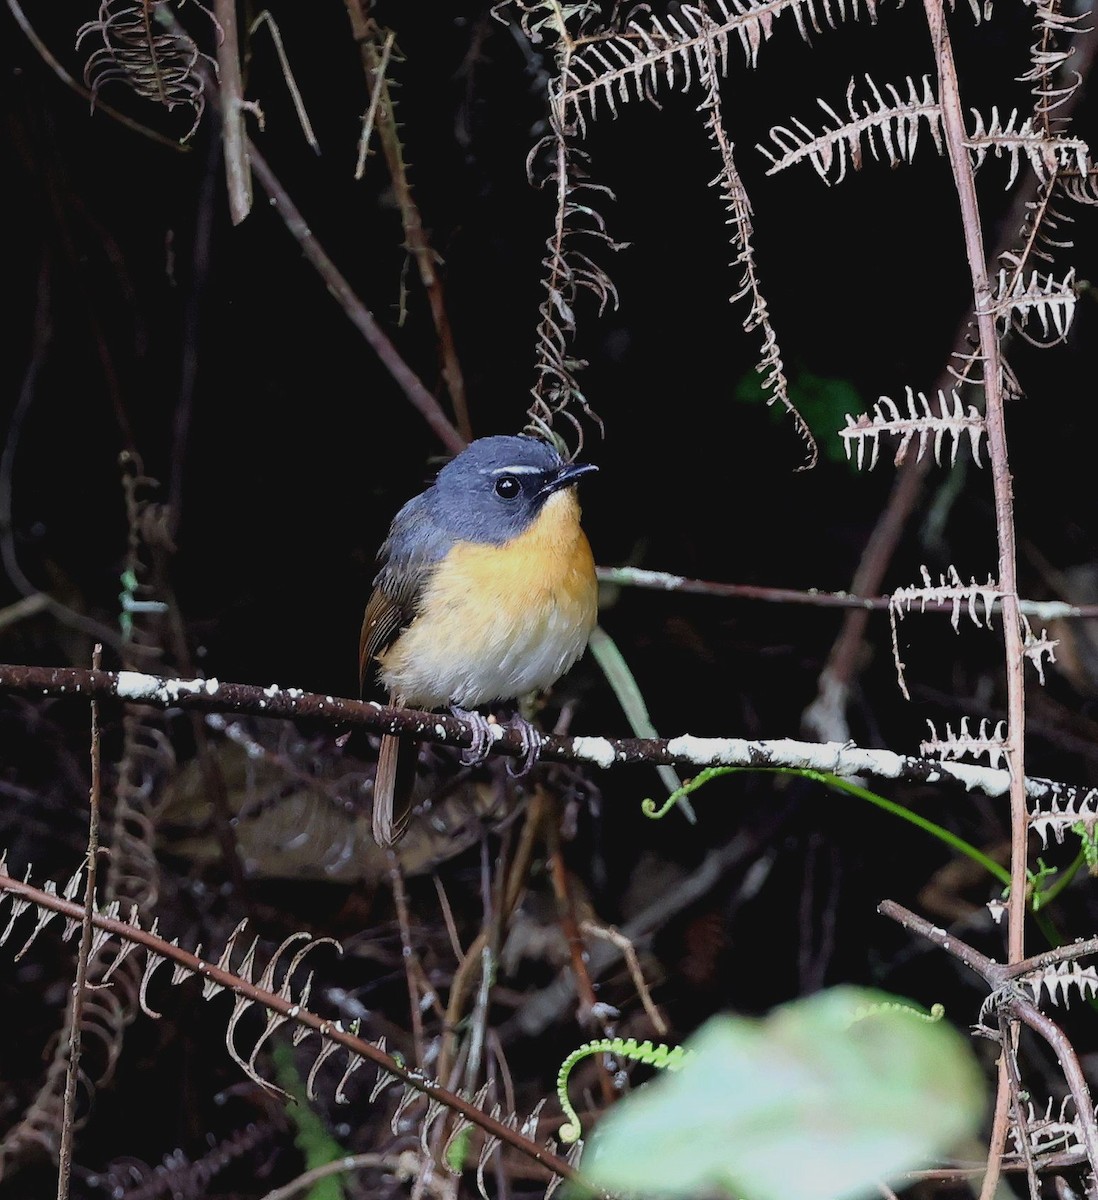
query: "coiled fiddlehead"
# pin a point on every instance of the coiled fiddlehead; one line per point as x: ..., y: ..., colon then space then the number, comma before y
x: 665, y: 1058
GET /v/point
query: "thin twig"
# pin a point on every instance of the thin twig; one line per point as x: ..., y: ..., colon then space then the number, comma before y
x: 337, y: 284
x: 402, y: 1165
x: 1009, y: 1059
x: 72, y: 1070
x: 408, y: 952
x: 365, y: 32
x: 632, y: 965
x: 265, y: 18
x: 378, y: 90
x: 360, y: 316
x: 661, y: 581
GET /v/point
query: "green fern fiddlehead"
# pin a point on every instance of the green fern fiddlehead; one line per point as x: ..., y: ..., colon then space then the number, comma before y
x: 665, y: 1058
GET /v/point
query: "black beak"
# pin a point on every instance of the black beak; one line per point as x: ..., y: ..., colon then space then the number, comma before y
x: 568, y: 475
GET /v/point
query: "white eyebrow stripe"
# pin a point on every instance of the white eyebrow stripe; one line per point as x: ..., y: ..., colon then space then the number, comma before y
x: 513, y: 471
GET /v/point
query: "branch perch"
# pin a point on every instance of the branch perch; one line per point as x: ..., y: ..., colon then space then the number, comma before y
x: 211, y: 695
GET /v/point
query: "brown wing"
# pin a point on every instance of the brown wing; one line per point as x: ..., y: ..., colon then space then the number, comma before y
x: 414, y: 545
x: 387, y: 615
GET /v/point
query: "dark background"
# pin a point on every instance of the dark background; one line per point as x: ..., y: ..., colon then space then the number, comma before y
x: 299, y: 448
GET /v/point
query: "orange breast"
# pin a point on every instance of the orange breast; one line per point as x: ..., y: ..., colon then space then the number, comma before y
x: 498, y: 622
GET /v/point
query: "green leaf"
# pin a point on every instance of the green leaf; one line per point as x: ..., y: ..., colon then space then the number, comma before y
x: 311, y: 1135
x: 820, y: 1100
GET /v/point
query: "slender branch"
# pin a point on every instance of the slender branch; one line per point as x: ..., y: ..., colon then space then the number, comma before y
x: 403, y: 1165
x: 72, y: 1070
x: 234, y: 136
x: 662, y: 581
x: 360, y: 316
x: 953, y: 128
x: 374, y: 61
x: 955, y: 137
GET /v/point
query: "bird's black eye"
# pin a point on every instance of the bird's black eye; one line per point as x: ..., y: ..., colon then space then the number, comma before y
x: 507, y: 487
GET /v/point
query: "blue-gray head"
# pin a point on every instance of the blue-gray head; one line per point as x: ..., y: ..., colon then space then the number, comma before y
x: 495, y: 488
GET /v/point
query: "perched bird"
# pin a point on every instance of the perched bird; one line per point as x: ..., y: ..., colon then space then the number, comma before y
x: 485, y: 591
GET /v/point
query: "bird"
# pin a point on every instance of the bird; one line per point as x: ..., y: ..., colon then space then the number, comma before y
x: 485, y: 592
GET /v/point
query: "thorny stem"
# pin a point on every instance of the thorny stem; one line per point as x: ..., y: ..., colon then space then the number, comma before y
x: 293, y: 1012
x: 72, y: 1070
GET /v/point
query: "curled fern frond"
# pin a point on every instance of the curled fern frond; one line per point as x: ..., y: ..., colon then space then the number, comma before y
x: 865, y: 1012
x: 1051, y: 82
x: 662, y: 1057
x: 568, y: 271
x: 141, y: 51
x: 888, y: 124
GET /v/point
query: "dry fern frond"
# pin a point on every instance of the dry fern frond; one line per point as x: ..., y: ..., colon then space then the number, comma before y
x: 1037, y: 649
x: 1048, y: 1133
x: 1043, y: 231
x: 568, y: 271
x: 972, y: 597
x: 119, y: 938
x: 1061, y: 982
x: 671, y: 48
x: 1062, y: 816
x: 775, y: 386
x: 1052, y: 302
x: 889, y: 125
x: 922, y: 422
x: 1046, y: 153
x: 142, y: 52
x: 990, y: 743
x: 1051, y: 85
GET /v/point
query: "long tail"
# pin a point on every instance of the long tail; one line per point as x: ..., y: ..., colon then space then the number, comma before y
x: 393, y: 785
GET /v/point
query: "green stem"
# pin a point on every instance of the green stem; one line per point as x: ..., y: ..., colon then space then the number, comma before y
x: 837, y: 783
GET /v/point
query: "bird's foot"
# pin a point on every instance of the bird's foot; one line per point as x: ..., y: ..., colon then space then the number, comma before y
x: 482, y: 735
x: 531, y: 747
